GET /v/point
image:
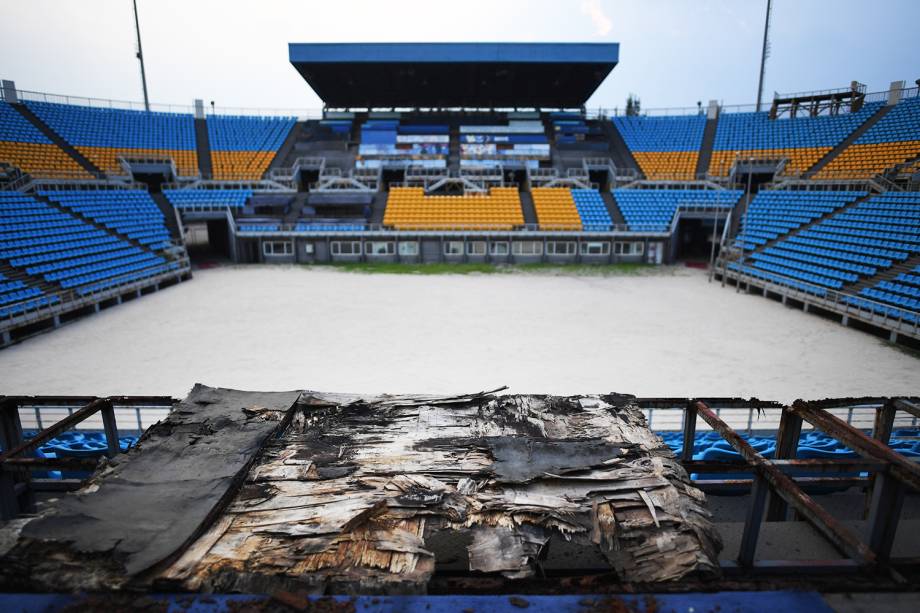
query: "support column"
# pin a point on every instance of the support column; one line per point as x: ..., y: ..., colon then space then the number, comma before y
x: 6, y: 339
x: 845, y: 321
x: 57, y: 321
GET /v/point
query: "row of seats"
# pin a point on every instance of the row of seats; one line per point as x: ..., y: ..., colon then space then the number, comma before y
x: 63, y: 250
x: 902, y: 294
x: 408, y: 208
x: 207, y: 199
x: 652, y: 210
x: 131, y: 213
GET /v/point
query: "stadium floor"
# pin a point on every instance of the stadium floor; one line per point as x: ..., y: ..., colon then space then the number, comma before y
x: 665, y: 333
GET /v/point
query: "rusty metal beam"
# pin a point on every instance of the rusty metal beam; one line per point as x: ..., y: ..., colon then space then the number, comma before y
x: 835, y: 532
x: 787, y: 446
x: 20, y: 464
x: 900, y: 467
x: 788, y: 466
x: 907, y: 406
x: 50, y: 432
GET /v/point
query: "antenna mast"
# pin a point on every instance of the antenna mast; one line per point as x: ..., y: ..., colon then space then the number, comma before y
x: 140, y: 56
x: 764, y: 54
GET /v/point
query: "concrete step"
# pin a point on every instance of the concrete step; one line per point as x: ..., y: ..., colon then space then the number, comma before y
x: 527, y: 208
x: 379, y: 207
x: 169, y: 213
x: 709, y: 137
x: 620, y: 154
x: 613, y: 209
x: 12, y: 273
x: 55, y: 138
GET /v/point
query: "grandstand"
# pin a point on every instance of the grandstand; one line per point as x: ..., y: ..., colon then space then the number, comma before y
x: 812, y: 197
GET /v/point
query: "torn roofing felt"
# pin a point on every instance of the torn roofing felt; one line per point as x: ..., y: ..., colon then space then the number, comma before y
x: 149, y: 502
x: 373, y: 494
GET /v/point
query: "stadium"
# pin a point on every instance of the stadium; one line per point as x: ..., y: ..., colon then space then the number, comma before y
x: 505, y: 343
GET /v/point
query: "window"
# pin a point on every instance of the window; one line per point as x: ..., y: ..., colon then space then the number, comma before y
x: 346, y: 247
x: 595, y: 248
x: 560, y: 248
x: 453, y: 248
x: 527, y: 248
x: 278, y: 248
x: 379, y: 248
x: 499, y: 248
x: 408, y: 248
x: 476, y: 248
x: 629, y: 248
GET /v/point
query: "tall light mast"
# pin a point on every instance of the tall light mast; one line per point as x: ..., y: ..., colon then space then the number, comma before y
x: 140, y: 56
x: 765, y: 52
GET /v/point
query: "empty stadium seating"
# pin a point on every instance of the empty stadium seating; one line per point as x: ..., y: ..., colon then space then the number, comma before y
x: 408, y: 208
x: 665, y: 148
x: 555, y: 208
x: 902, y: 294
x: 207, y: 199
x: 652, y: 210
x: 893, y: 140
x: 853, y: 244
x: 774, y: 213
x: 131, y: 213
x: 243, y: 147
x: 104, y: 134
x: 592, y: 210
x: 25, y: 147
x: 67, y: 252
x: 802, y: 140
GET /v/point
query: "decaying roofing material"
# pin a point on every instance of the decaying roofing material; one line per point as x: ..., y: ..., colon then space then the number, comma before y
x: 365, y: 494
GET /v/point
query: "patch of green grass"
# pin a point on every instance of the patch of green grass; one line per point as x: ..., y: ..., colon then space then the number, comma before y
x: 487, y: 269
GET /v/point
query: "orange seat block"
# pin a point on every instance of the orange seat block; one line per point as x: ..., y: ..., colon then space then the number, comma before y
x: 41, y: 160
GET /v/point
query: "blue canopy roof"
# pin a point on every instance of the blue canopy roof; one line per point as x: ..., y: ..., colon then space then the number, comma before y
x: 454, y: 74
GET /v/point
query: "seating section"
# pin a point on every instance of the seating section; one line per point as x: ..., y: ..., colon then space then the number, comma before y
x: 389, y: 143
x: 408, y: 208
x: 25, y: 147
x: 104, y: 134
x: 332, y: 226
x: 17, y: 296
x: 652, y: 210
x: 207, y: 199
x: 555, y: 208
x: 131, y: 213
x: 243, y: 147
x: 802, y: 140
x: 854, y: 244
x: 45, y: 242
x: 893, y: 140
x: 666, y: 148
x: 902, y: 293
x: 592, y: 210
x: 772, y: 214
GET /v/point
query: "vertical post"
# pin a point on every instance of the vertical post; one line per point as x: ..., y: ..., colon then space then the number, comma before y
x: 10, y: 437
x: 881, y: 431
x: 887, y: 499
x: 111, y: 430
x: 140, y: 57
x: 764, y: 52
x: 787, y: 444
x: 753, y: 521
x: 686, y: 453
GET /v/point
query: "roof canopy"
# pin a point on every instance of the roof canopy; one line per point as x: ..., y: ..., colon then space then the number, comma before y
x: 491, y: 75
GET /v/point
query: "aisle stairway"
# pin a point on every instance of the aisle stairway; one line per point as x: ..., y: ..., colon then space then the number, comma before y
x: 55, y: 138
x: 871, y: 121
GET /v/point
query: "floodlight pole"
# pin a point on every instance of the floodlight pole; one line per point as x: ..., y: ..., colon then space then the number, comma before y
x: 140, y: 56
x: 763, y: 53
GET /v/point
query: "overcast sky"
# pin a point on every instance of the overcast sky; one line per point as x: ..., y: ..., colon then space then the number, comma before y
x: 672, y: 52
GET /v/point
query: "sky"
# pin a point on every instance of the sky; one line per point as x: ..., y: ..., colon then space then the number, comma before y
x: 673, y: 53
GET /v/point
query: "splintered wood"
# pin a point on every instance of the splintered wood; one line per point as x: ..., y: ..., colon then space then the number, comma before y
x: 375, y: 494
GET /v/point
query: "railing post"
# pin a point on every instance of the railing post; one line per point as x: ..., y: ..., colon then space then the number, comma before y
x: 111, y: 429
x: 881, y: 431
x: 686, y: 453
x: 885, y: 511
x: 753, y: 521
x: 787, y: 445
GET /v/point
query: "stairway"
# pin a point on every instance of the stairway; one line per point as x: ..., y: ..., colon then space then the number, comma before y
x: 11, y: 273
x: 613, y: 208
x: 93, y: 223
x: 527, y: 208
x: 888, y: 274
x: 53, y: 136
x: 169, y: 213
x: 295, y: 212
x: 871, y: 121
x: 203, y: 148
x: 620, y: 154
x: 281, y: 157
x: 453, y: 157
x: 709, y: 137
x: 379, y: 207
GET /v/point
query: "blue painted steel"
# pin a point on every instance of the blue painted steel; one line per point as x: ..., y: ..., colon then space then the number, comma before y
x: 415, y: 53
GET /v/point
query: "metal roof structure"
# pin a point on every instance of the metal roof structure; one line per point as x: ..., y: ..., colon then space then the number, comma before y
x: 447, y: 75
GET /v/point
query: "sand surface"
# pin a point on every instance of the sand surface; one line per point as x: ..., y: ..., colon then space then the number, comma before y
x: 268, y: 327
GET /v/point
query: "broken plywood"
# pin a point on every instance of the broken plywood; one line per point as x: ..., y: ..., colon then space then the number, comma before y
x: 359, y: 493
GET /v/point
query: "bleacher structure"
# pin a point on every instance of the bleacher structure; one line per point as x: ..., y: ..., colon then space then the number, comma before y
x: 510, y: 171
